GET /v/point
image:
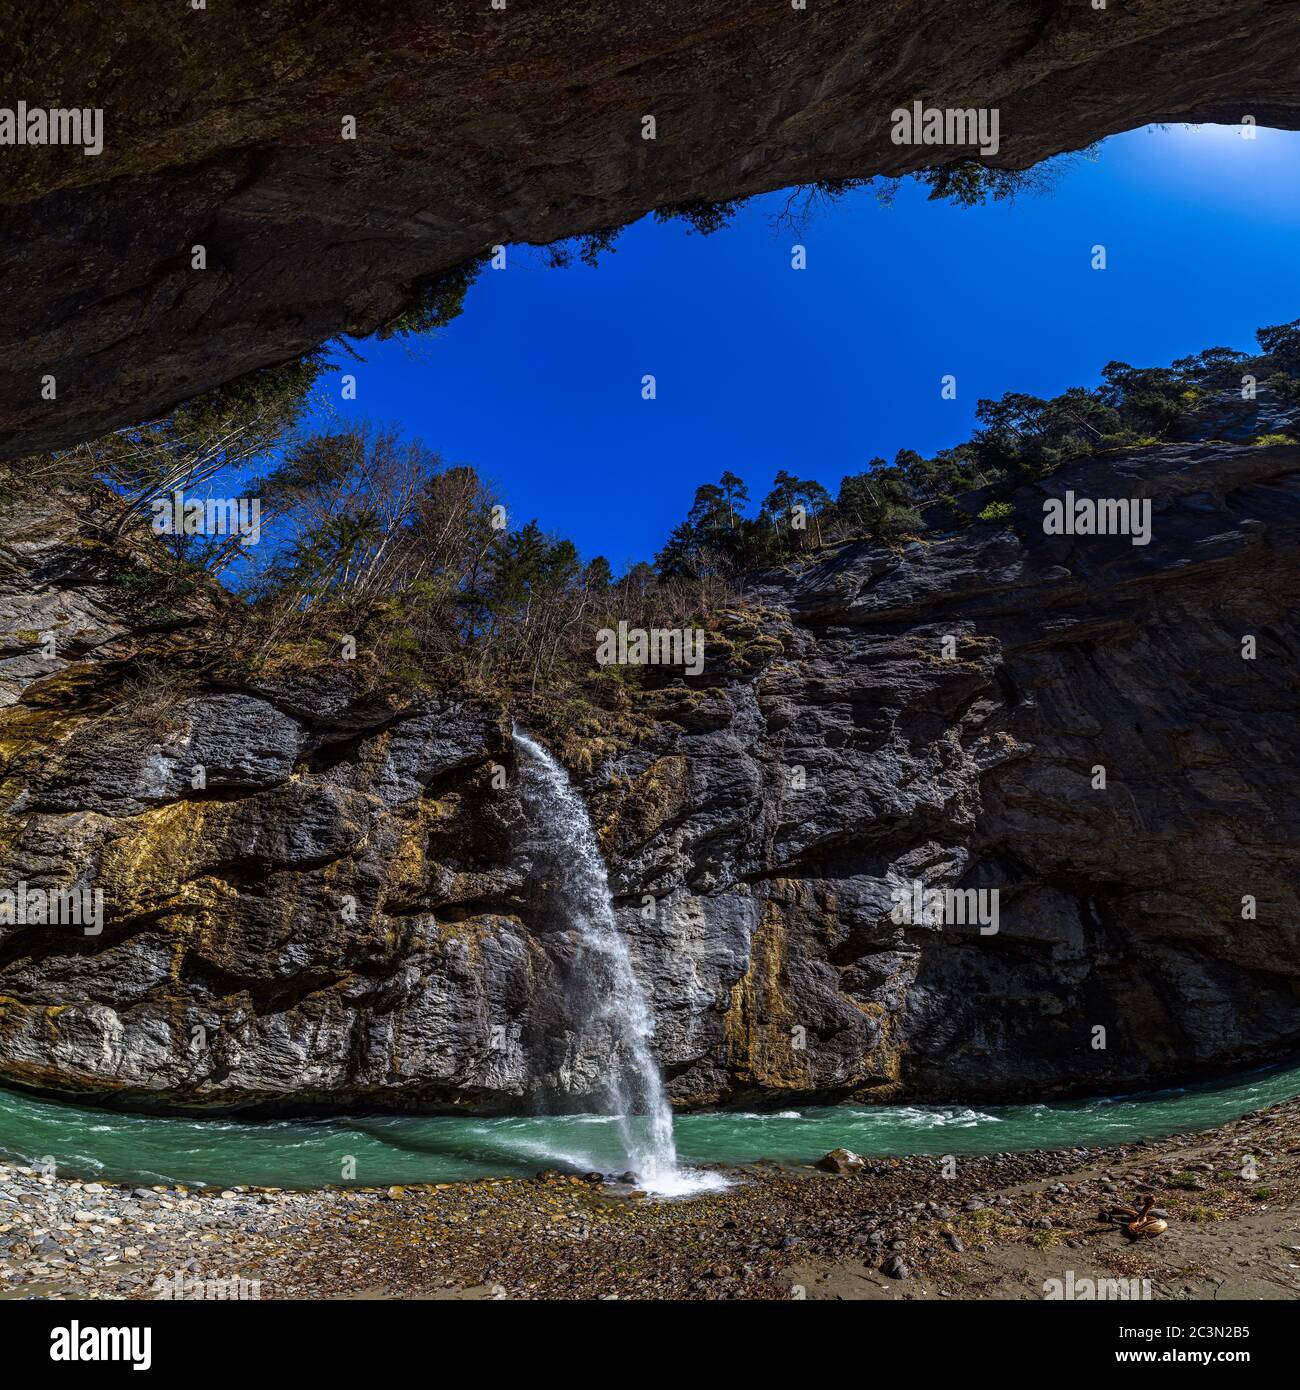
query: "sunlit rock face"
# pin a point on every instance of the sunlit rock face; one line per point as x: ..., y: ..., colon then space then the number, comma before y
x: 224, y: 129
x: 349, y: 910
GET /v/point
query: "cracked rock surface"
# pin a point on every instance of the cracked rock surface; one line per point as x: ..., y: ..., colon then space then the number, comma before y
x: 355, y: 909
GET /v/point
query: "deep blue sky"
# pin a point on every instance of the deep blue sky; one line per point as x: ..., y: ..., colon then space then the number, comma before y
x: 760, y: 367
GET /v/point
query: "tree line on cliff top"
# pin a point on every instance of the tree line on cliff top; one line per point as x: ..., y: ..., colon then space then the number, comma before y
x: 370, y: 535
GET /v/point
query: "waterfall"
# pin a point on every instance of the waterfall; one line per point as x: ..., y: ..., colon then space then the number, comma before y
x: 613, y: 1005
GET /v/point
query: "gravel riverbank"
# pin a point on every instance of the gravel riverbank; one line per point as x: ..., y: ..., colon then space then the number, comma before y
x: 1000, y: 1227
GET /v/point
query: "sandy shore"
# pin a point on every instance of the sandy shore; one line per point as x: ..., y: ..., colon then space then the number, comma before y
x: 1001, y: 1227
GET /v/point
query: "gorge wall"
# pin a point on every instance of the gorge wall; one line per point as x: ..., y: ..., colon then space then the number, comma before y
x: 350, y: 912
x: 223, y: 128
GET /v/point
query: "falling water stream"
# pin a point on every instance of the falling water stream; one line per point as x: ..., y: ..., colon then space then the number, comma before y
x: 613, y: 1008
x: 609, y: 1018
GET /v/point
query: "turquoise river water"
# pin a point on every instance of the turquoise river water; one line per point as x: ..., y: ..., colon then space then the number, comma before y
x: 420, y: 1149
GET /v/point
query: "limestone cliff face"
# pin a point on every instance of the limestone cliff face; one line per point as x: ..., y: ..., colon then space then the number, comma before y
x: 223, y: 128
x: 352, y: 910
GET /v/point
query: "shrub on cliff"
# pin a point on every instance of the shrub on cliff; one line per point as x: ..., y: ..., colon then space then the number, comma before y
x: 222, y: 432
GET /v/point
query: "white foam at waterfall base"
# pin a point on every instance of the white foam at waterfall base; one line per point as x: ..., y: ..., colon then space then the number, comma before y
x: 634, y: 1087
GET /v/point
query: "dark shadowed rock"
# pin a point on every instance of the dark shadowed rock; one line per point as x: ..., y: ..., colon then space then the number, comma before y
x: 477, y: 127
